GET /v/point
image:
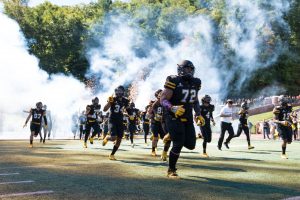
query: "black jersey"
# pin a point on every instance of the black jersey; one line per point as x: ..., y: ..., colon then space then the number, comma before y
x: 185, y: 93
x: 157, y: 114
x: 144, y: 118
x: 283, y: 113
x: 92, y: 116
x: 132, y: 115
x: 116, y: 109
x: 243, y: 117
x: 207, y: 112
x: 37, y: 115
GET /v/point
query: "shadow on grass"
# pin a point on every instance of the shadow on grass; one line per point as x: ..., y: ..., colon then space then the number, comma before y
x: 240, y: 187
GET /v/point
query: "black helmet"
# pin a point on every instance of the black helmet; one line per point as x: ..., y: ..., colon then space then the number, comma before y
x: 132, y: 105
x: 244, y: 105
x: 96, y: 99
x: 283, y: 100
x: 157, y: 93
x: 181, y: 69
x: 120, y: 91
x: 206, y: 99
x: 39, y: 105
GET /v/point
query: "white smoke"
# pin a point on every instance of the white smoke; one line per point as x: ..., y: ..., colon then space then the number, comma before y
x: 118, y: 62
x: 22, y: 84
x: 247, y: 34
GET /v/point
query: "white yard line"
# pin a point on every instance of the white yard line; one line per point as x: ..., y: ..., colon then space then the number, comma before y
x: 16, y: 182
x: 27, y: 193
x: 8, y: 174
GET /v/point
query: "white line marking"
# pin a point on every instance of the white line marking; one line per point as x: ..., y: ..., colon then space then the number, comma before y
x: 8, y: 174
x: 26, y: 193
x: 16, y: 182
x: 293, y: 198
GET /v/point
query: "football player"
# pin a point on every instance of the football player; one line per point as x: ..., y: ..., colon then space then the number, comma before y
x: 116, y: 105
x: 35, y: 125
x: 207, y: 110
x: 146, y: 123
x: 179, y: 98
x: 133, y: 114
x: 243, y: 125
x: 92, y: 113
x: 282, y: 117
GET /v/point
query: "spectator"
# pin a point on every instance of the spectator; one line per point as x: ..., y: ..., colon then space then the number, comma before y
x: 266, y: 129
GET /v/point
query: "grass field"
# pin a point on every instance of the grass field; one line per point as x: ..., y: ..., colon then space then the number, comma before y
x: 64, y: 170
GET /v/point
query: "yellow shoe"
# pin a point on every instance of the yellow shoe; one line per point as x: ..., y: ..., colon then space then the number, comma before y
x: 164, y: 156
x: 104, y: 142
x: 284, y: 156
x: 250, y: 147
x: 91, y: 140
x: 166, y: 138
x: 84, y: 145
x: 205, y: 155
x: 112, y: 157
x: 153, y: 153
x: 30, y: 146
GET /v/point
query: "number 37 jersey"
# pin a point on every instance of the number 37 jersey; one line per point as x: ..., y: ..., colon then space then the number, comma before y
x: 185, y: 93
x: 116, y: 109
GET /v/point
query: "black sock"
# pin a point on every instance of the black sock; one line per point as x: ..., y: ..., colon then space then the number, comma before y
x: 153, y: 149
x: 283, y: 150
x: 31, y: 141
x: 204, y: 147
x: 173, y: 160
x: 131, y: 139
x: 114, y: 150
x: 249, y: 144
x: 145, y: 138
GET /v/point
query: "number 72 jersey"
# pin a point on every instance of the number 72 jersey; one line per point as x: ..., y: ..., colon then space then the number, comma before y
x: 185, y: 93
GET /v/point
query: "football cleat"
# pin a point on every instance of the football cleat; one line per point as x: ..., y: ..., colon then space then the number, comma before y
x: 250, y: 147
x: 284, y: 156
x: 91, y: 140
x: 132, y: 145
x: 104, y: 142
x: 30, y: 146
x: 153, y: 153
x: 205, y: 155
x: 172, y: 174
x: 84, y: 145
x: 226, y: 145
x: 164, y: 156
x: 112, y: 157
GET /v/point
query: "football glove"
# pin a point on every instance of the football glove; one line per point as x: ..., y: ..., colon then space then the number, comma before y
x: 200, y: 121
x: 178, y: 110
x: 110, y: 99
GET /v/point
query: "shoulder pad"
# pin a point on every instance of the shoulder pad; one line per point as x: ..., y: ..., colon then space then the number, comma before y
x: 171, y: 82
x: 197, y: 82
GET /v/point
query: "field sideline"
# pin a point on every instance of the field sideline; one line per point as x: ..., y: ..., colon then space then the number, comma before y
x: 62, y: 169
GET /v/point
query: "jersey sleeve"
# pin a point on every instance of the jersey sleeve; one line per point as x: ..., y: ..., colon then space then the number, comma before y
x: 170, y: 83
x: 126, y: 102
x: 198, y: 83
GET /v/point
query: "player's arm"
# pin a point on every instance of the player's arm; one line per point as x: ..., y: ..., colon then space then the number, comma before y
x: 29, y: 115
x: 45, y: 118
x: 212, y: 115
x: 199, y: 119
x: 110, y: 101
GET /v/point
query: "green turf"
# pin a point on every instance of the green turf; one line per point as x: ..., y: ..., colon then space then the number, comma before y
x: 74, y: 173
